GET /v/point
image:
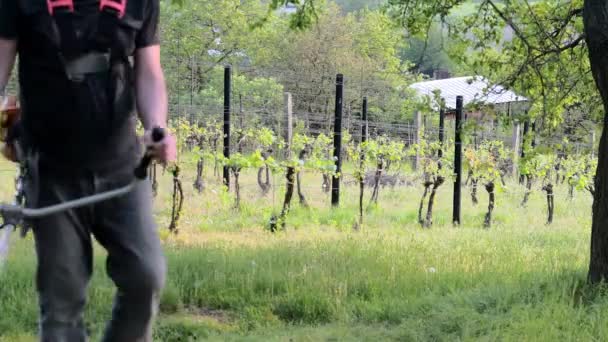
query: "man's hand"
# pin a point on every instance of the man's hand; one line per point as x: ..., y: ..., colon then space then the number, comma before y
x: 8, y: 151
x: 152, y: 102
x: 9, y: 116
x: 164, y: 151
x: 9, y: 108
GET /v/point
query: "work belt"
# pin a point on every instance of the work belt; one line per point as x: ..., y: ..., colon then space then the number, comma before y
x: 91, y: 63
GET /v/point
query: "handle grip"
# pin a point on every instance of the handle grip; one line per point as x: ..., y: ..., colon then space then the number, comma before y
x: 141, y: 171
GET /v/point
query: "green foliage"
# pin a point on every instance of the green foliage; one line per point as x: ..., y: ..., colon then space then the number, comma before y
x: 265, y: 94
x: 429, y: 51
x: 363, y: 46
x: 361, y: 154
x: 485, y: 161
x: 431, y: 165
x: 240, y: 161
x: 301, y: 142
x: 538, y: 164
x: 381, y: 150
x: 223, y: 26
x: 265, y: 137
x: 533, y: 47
x: 181, y: 129
x: 579, y: 171
x: 262, y: 140
x: 306, y: 12
x: 200, y: 37
x: 316, y: 154
x: 321, y: 156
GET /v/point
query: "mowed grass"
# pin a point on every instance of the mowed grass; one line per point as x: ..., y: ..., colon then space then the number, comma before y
x: 320, y: 280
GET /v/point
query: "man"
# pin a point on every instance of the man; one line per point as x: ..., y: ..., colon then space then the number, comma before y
x: 84, y: 66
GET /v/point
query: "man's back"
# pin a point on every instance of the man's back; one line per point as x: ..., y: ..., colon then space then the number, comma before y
x: 78, y: 92
x: 88, y: 121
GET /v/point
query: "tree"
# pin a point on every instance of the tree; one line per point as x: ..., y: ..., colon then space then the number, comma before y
x: 428, y: 51
x: 364, y: 46
x: 306, y: 12
x: 198, y: 36
x: 596, y: 22
x: 556, y: 49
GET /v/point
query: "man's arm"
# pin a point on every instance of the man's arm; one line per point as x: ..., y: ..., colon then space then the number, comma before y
x: 150, y: 87
x: 8, y: 54
x: 151, y: 93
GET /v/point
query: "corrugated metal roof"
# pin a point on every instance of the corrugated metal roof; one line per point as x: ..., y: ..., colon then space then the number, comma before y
x: 473, y: 89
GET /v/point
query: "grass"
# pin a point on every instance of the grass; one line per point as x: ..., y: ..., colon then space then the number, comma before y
x: 232, y: 280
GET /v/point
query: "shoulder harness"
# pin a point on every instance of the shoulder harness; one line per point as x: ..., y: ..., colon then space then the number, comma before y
x: 75, y: 52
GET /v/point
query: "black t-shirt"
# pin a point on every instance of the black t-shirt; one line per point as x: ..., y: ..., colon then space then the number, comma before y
x: 71, y: 124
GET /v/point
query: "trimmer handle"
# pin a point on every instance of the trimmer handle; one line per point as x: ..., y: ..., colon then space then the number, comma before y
x: 141, y: 171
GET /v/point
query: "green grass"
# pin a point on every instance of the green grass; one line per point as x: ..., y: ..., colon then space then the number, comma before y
x: 231, y: 280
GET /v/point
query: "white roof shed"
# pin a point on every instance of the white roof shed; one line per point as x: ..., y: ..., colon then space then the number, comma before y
x: 473, y: 89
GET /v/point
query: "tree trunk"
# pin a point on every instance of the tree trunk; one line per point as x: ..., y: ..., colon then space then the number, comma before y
x: 571, y: 191
x: 237, y: 188
x: 487, y: 223
x: 429, y: 213
x: 301, y: 157
x: 474, y: 191
x: 199, y: 185
x: 300, y: 193
x: 361, y: 184
x: 216, y: 171
x: 387, y: 166
x: 528, y: 190
x: 290, y: 176
x: 427, y: 185
x: 264, y: 184
x: 267, y: 177
x: 178, y: 201
x: 595, y: 17
x: 377, y: 178
x: 550, y: 205
x: 361, y: 193
x: 591, y: 189
x: 325, y: 184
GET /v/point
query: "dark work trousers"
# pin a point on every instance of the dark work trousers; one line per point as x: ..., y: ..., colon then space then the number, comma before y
x: 125, y: 227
